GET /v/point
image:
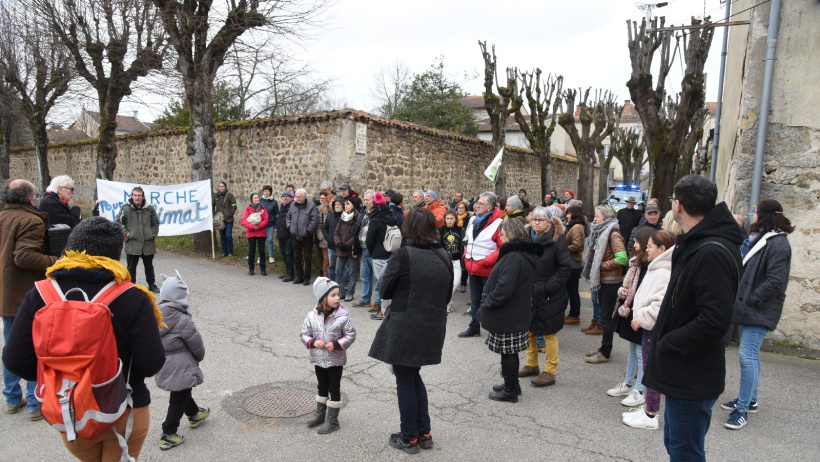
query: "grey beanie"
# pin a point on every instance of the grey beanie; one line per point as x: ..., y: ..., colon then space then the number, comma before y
x: 321, y: 287
x: 174, y: 289
x: 515, y: 203
x: 97, y: 236
x: 287, y: 193
x: 433, y: 193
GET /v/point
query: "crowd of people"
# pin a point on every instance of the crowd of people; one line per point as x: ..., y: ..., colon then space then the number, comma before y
x: 521, y: 262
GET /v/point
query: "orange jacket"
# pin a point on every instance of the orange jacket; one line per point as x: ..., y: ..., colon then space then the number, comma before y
x: 439, y: 209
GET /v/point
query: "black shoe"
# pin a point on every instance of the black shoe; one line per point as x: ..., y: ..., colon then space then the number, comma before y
x: 426, y: 441
x: 263, y: 272
x: 469, y: 333
x: 505, y: 394
x: 153, y: 288
x: 398, y: 442
x: 377, y: 316
x: 283, y: 276
x: 299, y: 281
x: 287, y: 279
x: 306, y: 283
x: 501, y: 387
x: 250, y: 272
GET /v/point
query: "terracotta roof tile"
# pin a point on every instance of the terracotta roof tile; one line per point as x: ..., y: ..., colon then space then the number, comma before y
x: 59, y: 135
x: 124, y: 123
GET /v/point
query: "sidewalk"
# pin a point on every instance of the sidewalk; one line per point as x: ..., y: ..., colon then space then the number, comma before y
x: 251, y: 330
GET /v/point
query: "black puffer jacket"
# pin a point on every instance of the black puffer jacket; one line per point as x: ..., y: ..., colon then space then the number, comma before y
x: 282, y: 231
x: 380, y: 218
x: 687, y: 357
x: 272, y: 208
x: 550, y: 286
x: 329, y: 228
x: 58, y: 212
x: 506, y: 305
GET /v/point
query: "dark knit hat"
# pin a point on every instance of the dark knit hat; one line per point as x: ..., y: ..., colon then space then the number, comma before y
x: 97, y: 236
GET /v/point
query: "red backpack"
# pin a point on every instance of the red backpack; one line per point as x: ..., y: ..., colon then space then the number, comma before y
x: 80, y: 382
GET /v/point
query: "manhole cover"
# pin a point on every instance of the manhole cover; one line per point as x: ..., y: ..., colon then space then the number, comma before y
x: 281, y: 402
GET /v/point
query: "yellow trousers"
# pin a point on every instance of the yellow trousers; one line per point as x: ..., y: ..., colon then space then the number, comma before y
x: 551, y: 361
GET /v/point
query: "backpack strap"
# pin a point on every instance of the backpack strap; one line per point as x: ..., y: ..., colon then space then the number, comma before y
x: 49, y: 291
x: 111, y: 291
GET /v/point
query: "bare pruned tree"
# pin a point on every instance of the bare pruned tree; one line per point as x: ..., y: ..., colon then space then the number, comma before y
x: 112, y: 43
x: 690, y: 144
x: 10, y: 115
x: 541, y: 97
x: 388, y: 89
x: 499, y: 107
x: 37, y: 65
x: 597, y: 118
x: 665, y: 132
x: 628, y: 147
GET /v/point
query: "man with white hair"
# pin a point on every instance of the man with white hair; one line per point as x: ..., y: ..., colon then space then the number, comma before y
x: 302, y: 220
x: 55, y: 202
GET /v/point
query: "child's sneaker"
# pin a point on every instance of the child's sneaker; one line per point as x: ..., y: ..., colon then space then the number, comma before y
x: 196, y: 420
x: 730, y: 406
x: 411, y: 447
x: 170, y: 441
x: 426, y: 441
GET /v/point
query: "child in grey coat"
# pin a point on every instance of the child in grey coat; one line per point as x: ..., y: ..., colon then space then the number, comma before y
x: 184, y: 351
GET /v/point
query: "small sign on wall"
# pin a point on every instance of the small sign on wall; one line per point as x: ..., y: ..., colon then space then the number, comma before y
x: 361, y: 138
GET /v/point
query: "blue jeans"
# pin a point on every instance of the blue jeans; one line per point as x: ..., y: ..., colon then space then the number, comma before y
x: 226, y: 239
x: 596, y: 306
x: 634, y: 364
x: 367, y: 278
x: 331, y: 264
x: 347, y: 268
x: 412, y: 395
x: 286, y: 247
x: 12, y: 390
x: 477, y: 284
x: 685, y: 427
x: 271, y: 232
x: 751, y: 338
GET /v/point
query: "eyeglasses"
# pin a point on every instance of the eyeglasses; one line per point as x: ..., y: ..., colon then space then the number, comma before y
x: 672, y: 199
x: 66, y: 187
x: 538, y: 220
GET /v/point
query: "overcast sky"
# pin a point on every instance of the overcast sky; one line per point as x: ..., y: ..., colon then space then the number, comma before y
x: 584, y: 40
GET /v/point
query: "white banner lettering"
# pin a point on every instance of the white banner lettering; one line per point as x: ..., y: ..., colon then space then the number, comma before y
x: 181, y: 208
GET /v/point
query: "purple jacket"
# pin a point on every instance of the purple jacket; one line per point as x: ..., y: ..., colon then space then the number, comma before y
x: 336, y: 329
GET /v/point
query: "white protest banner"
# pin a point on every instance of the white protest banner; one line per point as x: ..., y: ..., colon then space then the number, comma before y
x: 181, y: 208
x: 492, y: 169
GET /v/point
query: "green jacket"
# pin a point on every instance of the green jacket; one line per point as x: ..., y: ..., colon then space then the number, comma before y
x: 142, y: 227
x: 225, y: 204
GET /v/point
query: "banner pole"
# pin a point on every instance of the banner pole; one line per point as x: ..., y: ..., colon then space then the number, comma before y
x: 213, y: 252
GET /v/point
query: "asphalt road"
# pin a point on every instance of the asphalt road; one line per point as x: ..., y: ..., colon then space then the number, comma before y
x: 251, y: 329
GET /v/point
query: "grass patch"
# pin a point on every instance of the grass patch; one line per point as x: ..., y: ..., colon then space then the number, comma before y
x: 786, y: 343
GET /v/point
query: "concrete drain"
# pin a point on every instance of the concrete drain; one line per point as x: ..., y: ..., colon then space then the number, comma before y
x: 281, y: 402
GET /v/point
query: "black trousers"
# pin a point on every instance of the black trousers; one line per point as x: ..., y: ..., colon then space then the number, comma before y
x: 253, y: 244
x: 147, y: 262
x: 608, y: 298
x: 180, y: 402
x: 509, y: 369
x: 303, y: 254
x: 330, y: 382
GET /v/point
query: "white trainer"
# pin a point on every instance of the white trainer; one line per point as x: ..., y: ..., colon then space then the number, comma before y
x: 641, y: 420
x: 622, y: 389
x: 271, y: 260
x: 635, y: 398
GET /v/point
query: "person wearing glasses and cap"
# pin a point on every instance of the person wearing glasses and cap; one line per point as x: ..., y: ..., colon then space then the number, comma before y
x: 55, y: 203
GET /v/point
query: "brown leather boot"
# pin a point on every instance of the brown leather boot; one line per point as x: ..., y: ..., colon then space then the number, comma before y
x: 543, y: 380
x: 571, y: 320
x: 528, y: 371
x: 597, y: 330
x: 590, y: 326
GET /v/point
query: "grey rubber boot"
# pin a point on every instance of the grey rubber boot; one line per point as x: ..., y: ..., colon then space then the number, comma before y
x: 318, y: 416
x: 332, y: 422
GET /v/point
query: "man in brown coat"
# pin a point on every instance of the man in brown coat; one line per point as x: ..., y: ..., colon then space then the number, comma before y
x: 23, y: 261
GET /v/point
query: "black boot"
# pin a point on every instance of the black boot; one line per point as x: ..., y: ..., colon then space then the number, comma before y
x: 332, y: 422
x: 509, y: 392
x: 318, y: 416
x: 501, y: 387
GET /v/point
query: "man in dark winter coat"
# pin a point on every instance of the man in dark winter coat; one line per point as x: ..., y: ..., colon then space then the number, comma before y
x: 55, y: 203
x: 134, y: 320
x: 628, y: 219
x: 348, y: 193
x: 302, y: 220
x: 686, y: 362
x: 284, y: 236
x: 651, y: 218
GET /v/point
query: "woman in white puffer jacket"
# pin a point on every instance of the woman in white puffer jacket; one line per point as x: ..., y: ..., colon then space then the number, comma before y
x: 645, y: 309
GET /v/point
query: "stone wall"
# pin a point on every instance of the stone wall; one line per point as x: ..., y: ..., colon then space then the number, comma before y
x: 304, y: 151
x: 791, y: 171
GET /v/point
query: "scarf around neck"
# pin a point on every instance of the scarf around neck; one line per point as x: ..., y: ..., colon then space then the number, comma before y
x: 599, y: 240
x: 347, y: 216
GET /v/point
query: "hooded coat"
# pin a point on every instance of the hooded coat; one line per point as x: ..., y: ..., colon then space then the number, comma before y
x: 549, y: 289
x: 380, y: 218
x: 687, y: 357
x: 255, y: 230
x: 184, y: 349
x: 141, y: 224
x: 335, y: 328
x: 506, y: 305
x: 762, y: 290
x: 329, y: 228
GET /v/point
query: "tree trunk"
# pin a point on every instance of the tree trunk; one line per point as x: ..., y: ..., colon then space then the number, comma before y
x: 38, y: 132
x: 603, y: 177
x: 663, y: 181
x: 201, y: 143
x: 107, y: 145
x: 5, y: 151
x: 586, y: 184
x: 546, y: 172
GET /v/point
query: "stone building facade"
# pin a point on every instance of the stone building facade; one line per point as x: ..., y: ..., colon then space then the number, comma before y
x: 791, y: 171
x: 342, y: 146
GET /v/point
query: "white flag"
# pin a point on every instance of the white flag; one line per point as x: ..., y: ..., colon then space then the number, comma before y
x: 492, y: 170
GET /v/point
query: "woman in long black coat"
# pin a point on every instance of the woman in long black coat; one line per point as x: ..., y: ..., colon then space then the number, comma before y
x: 506, y: 306
x: 548, y: 294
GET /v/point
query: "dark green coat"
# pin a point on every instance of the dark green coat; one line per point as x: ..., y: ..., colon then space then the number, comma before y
x: 141, y: 225
x: 225, y: 204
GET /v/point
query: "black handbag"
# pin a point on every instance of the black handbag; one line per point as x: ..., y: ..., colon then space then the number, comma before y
x: 623, y: 327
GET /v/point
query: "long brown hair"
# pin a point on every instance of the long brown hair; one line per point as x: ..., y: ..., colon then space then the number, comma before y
x: 770, y: 218
x: 642, y: 237
x: 419, y: 227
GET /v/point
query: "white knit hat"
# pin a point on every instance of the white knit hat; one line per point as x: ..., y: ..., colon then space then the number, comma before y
x: 321, y: 287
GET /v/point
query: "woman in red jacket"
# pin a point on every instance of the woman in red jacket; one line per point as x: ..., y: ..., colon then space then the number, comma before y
x: 255, y: 219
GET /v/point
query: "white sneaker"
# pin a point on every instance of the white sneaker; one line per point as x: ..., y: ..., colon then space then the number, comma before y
x: 622, y: 389
x: 641, y: 420
x: 635, y: 398
x: 450, y: 307
x: 271, y: 260
x: 634, y: 409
